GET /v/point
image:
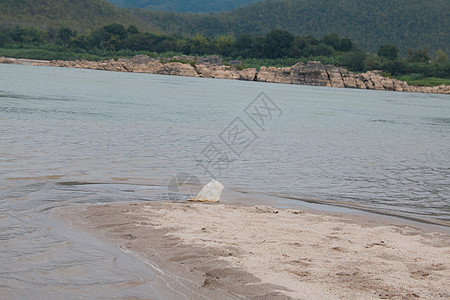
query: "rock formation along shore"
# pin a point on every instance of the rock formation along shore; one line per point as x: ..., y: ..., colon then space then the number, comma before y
x: 311, y: 73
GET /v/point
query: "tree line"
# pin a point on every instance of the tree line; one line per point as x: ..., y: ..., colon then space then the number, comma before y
x: 114, y: 37
x: 276, y: 44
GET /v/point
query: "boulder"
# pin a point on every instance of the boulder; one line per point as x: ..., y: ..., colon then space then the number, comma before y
x: 138, y: 59
x: 178, y: 69
x: 349, y: 79
x: 334, y: 77
x: 311, y: 73
x: 376, y: 78
x: 247, y: 74
x: 149, y: 67
x: 388, y: 84
x: 366, y: 80
x: 5, y: 60
x: 213, y: 60
x: 400, y: 86
x: 359, y: 83
x: 216, y: 71
x: 273, y: 74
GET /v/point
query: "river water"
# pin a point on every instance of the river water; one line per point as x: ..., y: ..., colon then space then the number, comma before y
x: 72, y: 136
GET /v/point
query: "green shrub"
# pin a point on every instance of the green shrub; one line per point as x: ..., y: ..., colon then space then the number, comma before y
x: 3, y: 39
x: 354, y: 61
x: 372, y: 62
x: 388, y: 51
x: 395, y: 67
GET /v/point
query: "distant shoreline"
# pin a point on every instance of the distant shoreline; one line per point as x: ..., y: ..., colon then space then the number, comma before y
x: 312, y: 73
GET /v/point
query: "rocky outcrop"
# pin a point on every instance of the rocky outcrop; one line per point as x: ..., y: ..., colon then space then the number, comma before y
x: 6, y: 60
x: 315, y: 73
x: 310, y: 73
x: 225, y: 72
x: 22, y: 61
x: 216, y: 71
x: 149, y: 67
x: 178, y: 69
x: 334, y: 77
x: 213, y: 60
x: 249, y: 74
x: 276, y: 75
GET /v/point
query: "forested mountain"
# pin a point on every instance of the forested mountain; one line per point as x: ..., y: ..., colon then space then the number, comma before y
x: 80, y: 15
x: 184, y: 5
x: 404, y: 23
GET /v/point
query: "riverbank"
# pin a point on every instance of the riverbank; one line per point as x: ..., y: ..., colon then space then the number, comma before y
x: 229, y: 251
x: 312, y: 73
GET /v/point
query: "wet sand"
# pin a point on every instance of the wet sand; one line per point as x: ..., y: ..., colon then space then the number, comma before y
x: 217, y: 251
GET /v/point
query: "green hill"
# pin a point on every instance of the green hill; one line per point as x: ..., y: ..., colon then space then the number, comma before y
x: 184, y: 5
x: 405, y: 23
x: 80, y: 15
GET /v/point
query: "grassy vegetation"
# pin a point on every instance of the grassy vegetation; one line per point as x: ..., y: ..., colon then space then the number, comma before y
x: 48, y: 54
x: 420, y: 80
x: 55, y: 52
x: 257, y: 63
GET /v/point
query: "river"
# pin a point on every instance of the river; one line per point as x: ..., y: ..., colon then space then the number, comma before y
x: 74, y: 137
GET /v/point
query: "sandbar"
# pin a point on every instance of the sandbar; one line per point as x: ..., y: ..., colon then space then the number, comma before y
x: 219, y: 251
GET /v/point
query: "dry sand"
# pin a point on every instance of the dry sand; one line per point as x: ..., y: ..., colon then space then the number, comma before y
x: 223, y: 252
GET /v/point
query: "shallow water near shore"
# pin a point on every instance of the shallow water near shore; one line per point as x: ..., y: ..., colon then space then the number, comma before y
x: 72, y: 137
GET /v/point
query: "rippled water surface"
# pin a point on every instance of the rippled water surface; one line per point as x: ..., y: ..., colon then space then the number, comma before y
x: 70, y: 136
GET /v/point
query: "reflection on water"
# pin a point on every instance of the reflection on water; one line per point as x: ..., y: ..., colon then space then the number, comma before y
x: 72, y: 137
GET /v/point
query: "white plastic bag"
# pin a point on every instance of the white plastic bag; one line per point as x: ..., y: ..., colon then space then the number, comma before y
x: 210, y: 192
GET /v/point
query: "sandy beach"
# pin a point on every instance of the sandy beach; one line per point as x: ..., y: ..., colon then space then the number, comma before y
x: 220, y: 251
